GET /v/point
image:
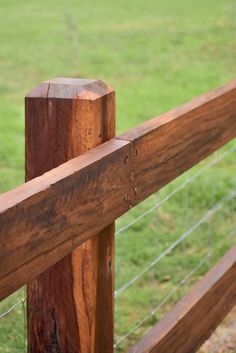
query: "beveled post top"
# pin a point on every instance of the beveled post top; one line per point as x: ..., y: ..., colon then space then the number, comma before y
x: 70, y: 88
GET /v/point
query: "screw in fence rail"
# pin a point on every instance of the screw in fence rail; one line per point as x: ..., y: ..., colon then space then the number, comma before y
x: 70, y: 306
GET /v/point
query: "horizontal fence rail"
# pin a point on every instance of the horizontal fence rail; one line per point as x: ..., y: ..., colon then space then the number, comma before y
x: 76, y: 196
x: 197, y: 315
x: 166, y: 242
x: 52, y: 214
x: 168, y: 145
x: 57, y: 230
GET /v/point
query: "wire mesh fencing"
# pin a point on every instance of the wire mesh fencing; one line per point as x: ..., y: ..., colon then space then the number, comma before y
x: 164, y: 245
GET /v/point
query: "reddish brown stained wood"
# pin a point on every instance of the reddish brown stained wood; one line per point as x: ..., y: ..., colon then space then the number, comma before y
x: 46, y: 218
x: 196, y: 316
x: 70, y: 306
x: 24, y: 211
x: 168, y: 145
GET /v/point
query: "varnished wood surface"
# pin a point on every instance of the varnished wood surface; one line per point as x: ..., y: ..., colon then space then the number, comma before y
x: 162, y: 149
x: 170, y: 144
x: 46, y: 218
x: 70, y: 306
x: 197, y: 315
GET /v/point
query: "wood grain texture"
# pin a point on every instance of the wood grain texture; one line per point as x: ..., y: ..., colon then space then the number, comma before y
x: 46, y: 218
x: 196, y: 316
x: 168, y: 145
x: 32, y: 215
x: 70, y: 306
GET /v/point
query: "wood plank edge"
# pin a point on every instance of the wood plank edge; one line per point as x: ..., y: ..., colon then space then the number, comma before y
x: 165, y: 118
x: 21, y: 193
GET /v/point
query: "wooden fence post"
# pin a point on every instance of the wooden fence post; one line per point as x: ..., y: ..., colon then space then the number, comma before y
x: 70, y: 306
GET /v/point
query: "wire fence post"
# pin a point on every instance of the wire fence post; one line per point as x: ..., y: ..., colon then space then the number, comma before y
x: 70, y: 306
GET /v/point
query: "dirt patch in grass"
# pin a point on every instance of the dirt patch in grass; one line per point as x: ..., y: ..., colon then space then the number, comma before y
x: 223, y: 340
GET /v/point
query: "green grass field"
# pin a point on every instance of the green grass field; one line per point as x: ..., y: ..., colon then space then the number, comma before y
x: 156, y: 54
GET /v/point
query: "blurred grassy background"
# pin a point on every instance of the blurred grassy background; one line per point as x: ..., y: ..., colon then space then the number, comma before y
x: 156, y: 54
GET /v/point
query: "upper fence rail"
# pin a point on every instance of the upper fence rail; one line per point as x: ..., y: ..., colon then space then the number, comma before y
x: 46, y: 218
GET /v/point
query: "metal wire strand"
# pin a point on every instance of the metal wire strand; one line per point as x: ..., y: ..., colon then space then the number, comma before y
x: 170, y: 294
x: 214, y: 208
x: 12, y: 308
x: 187, y: 181
x: 186, y: 234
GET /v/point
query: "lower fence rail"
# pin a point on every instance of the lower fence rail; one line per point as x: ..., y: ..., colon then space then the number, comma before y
x: 197, y: 315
